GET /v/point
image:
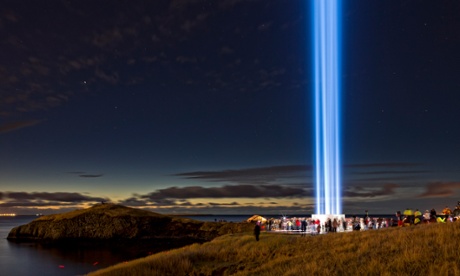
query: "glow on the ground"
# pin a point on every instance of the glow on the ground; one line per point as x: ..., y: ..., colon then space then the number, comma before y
x: 327, y: 111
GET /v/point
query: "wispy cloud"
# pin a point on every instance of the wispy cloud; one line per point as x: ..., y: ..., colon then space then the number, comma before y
x: 379, y: 173
x: 384, y: 165
x: 46, y: 199
x: 383, y: 179
x: 85, y: 174
x: 440, y: 189
x: 262, y: 175
x: 90, y: 175
x: 368, y: 192
x: 134, y: 201
x: 242, y: 209
x: 224, y: 204
x: 263, y: 188
x: 18, y: 125
x: 227, y: 191
x: 275, y: 174
x: 27, y: 204
x: 393, y: 172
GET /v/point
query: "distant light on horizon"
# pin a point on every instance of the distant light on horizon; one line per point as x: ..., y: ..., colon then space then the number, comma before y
x: 327, y: 109
x: 8, y: 215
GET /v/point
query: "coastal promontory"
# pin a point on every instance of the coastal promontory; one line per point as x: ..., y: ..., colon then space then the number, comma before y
x: 108, y: 222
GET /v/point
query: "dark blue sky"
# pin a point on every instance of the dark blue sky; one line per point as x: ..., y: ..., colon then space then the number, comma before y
x: 194, y: 106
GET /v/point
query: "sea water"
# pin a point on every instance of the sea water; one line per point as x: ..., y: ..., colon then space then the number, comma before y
x: 37, y: 259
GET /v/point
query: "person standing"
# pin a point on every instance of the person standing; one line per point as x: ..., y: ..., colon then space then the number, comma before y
x: 447, y: 211
x: 426, y: 216
x: 408, y: 216
x: 335, y: 224
x: 257, y: 231
x: 304, y: 225
x: 398, y: 216
x: 417, y: 217
x: 433, y: 215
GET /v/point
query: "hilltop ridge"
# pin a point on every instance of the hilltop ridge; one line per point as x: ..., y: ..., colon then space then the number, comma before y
x: 117, y: 222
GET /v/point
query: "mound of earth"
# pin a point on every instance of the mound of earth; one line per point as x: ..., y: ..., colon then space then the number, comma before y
x: 108, y: 222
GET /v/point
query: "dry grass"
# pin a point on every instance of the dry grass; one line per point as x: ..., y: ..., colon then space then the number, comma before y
x: 422, y: 250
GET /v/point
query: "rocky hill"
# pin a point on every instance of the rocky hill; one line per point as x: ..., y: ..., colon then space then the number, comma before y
x: 108, y: 222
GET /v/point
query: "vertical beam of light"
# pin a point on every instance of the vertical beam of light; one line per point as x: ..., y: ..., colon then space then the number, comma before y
x: 327, y: 109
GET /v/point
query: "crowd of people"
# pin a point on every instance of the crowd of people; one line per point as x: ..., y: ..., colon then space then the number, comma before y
x: 406, y: 218
x: 429, y: 216
x: 303, y: 224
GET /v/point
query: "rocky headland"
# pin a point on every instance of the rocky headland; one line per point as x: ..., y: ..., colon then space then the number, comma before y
x: 111, y: 222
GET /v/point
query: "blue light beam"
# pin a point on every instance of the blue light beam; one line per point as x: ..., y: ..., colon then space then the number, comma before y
x: 327, y: 109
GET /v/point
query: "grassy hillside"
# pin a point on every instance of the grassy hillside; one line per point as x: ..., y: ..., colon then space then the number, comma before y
x: 105, y: 222
x: 423, y: 250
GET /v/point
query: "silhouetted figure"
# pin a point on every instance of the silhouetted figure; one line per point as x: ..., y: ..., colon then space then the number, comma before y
x: 433, y: 215
x: 257, y: 231
x: 335, y: 224
x: 328, y: 225
x: 304, y: 225
x: 400, y: 220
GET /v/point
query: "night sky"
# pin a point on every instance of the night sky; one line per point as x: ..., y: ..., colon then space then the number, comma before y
x: 193, y: 106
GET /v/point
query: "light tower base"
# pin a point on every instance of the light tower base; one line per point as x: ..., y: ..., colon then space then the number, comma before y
x: 342, y: 224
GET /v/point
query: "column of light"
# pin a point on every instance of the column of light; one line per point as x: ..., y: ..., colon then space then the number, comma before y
x: 327, y: 109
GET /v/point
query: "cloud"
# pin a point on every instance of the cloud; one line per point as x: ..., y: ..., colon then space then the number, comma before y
x: 10, y: 204
x: 440, y: 189
x: 393, y: 172
x: 202, y: 208
x: 262, y: 175
x: 54, y: 197
x: 384, y: 165
x: 379, y: 180
x: 107, y: 37
x: 224, y: 204
x: 185, y: 203
x: 133, y: 201
x: 384, y: 172
x: 358, y: 191
x: 111, y: 77
x: 145, y: 201
x: 85, y: 175
x: 17, y: 125
x: 90, y: 175
x: 273, y: 174
x: 183, y: 206
x: 228, y: 191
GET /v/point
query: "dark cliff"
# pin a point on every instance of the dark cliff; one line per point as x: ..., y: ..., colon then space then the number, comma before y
x: 106, y: 222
